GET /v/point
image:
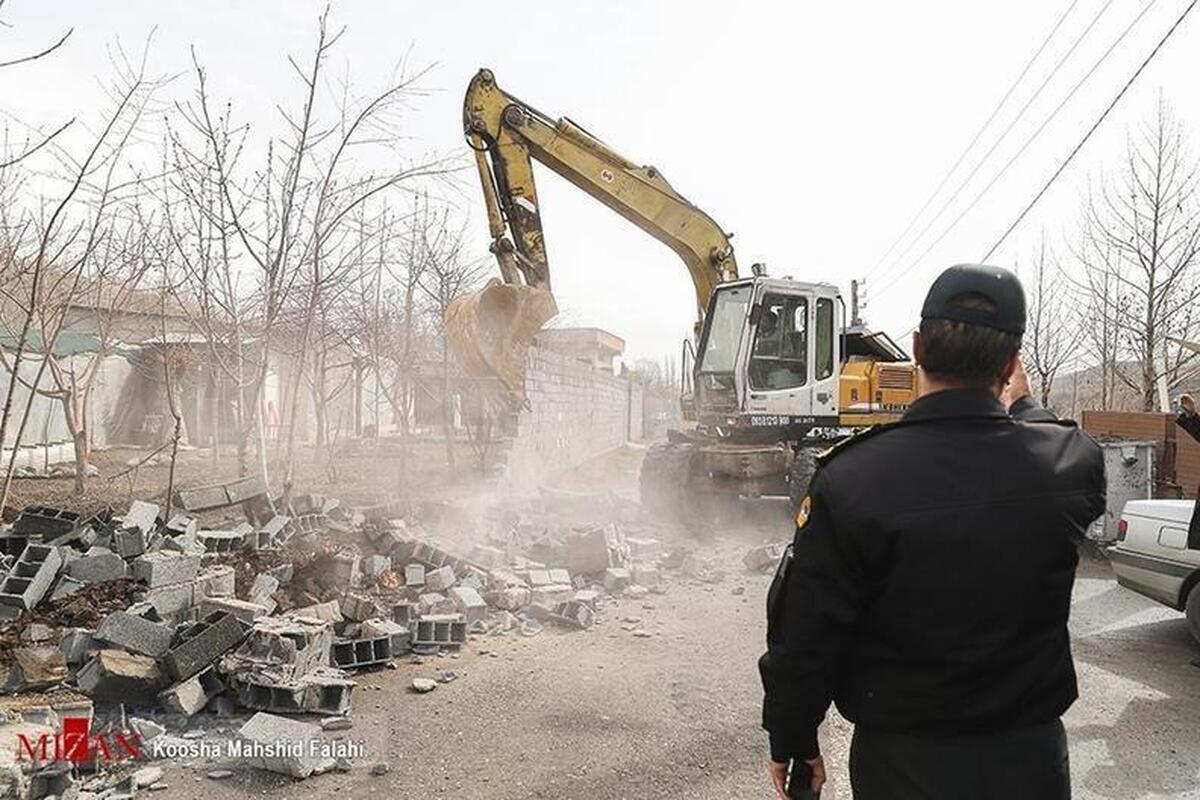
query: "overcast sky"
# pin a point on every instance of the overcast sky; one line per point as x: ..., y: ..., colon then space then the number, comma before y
x: 813, y: 131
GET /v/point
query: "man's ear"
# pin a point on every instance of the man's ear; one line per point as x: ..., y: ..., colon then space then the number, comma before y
x: 1011, y: 367
x: 917, y: 349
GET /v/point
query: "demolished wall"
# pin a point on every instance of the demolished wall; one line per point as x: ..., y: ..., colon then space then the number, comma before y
x: 575, y: 413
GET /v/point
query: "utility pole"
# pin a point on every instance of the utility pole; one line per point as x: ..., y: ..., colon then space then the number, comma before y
x: 855, y: 318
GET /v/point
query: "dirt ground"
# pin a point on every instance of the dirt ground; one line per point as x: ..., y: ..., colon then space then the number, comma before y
x: 605, y: 714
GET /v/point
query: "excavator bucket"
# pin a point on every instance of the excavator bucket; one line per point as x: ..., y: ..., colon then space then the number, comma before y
x: 491, y: 330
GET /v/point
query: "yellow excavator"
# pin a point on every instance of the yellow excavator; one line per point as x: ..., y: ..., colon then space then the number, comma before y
x: 774, y: 370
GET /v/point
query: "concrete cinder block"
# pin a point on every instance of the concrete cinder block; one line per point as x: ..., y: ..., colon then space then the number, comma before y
x: 98, y: 564
x: 129, y: 542
x: 364, y: 651
x: 30, y: 577
x: 434, y: 603
x: 182, y: 525
x: 286, y: 740
x: 143, y: 516
x: 221, y: 541
x: 173, y: 599
x: 644, y: 549
x: 372, y: 566
x: 190, y: 696
x: 160, y: 568
x: 357, y: 607
x: 114, y: 675
x: 329, y: 611
x: 399, y: 633
x: 75, y: 644
x: 616, y: 579
x: 245, y: 611
x: 469, y: 603
x: 202, y: 643
x: 550, y: 596
x: 414, y: 575
x: 324, y: 690
x: 216, y: 581
x: 446, y: 630
x: 440, y: 579
x: 135, y: 634
x: 288, y: 646
x: 559, y: 576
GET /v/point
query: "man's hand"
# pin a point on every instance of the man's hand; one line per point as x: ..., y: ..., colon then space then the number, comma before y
x: 1016, y: 388
x: 1187, y: 403
x: 779, y: 773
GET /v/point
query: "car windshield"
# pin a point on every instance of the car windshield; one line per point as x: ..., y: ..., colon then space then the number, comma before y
x: 725, y: 326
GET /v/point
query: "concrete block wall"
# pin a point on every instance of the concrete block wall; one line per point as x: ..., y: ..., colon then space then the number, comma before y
x: 576, y: 412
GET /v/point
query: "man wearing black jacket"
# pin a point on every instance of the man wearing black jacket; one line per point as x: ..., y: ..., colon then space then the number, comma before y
x: 929, y: 582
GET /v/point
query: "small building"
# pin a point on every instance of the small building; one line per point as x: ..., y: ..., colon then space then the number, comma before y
x: 593, y: 346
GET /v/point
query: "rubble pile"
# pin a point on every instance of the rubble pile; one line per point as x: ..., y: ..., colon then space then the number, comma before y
x: 274, y: 612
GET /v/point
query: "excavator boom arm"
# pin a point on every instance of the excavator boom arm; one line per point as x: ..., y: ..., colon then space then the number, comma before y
x: 509, y: 135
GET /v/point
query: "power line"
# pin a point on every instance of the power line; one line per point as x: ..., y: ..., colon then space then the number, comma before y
x: 1003, y: 170
x: 975, y: 139
x: 1004, y: 134
x: 1092, y: 130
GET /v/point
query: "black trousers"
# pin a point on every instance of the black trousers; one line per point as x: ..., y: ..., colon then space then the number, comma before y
x: 1025, y: 764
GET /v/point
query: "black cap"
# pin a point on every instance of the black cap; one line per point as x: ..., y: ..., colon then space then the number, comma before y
x: 998, y: 285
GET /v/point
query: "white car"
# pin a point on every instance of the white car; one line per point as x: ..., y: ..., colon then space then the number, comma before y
x: 1152, y: 558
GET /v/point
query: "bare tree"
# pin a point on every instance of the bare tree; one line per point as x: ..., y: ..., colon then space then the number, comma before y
x: 447, y: 275
x: 1052, y: 333
x: 1140, y: 246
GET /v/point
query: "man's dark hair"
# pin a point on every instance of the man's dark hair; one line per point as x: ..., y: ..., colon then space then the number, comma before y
x: 973, y: 355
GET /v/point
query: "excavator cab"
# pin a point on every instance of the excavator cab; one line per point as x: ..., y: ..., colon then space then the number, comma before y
x: 769, y: 354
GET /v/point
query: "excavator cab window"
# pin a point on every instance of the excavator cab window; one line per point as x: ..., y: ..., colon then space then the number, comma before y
x: 779, y: 358
x: 723, y: 336
x: 824, y: 334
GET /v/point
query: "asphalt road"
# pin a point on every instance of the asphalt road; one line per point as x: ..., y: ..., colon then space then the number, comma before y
x: 604, y: 714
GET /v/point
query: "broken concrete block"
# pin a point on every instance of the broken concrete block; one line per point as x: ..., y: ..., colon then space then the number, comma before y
x: 440, y: 579
x: 35, y: 667
x: 114, y: 675
x: 329, y: 611
x: 594, y: 549
x: 135, y: 634
x: 160, y: 568
x: 206, y: 498
x: 616, y: 579
x: 216, y: 581
x: 434, y: 603
x: 558, y: 576
x: 65, y: 587
x: 192, y: 695
x: 45, y: 522
x: 399, y: 633
x: 539, y: 577
x: 764, y: 556
x: 30, y: 577
x: 469, y: 603
x: 182, y: 525
x: 324, y: 690
x: 550, y: 596
x: 245, y: 611
x: 358, y: 607
x: 129, y: 542
x: 414, y: 575
x: 402, y: 613
x: 647, y: 550
x: 220, y: 541
x: 291, y: 646
x: 644, y: 575
x: 281, y: 745
x: 575, y: 613
x: 143, y: 516
x: 202, y: 643
x: 74, y: 643
x: 373, y: 565
x: 173, y: 599
x: 98, y: 564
